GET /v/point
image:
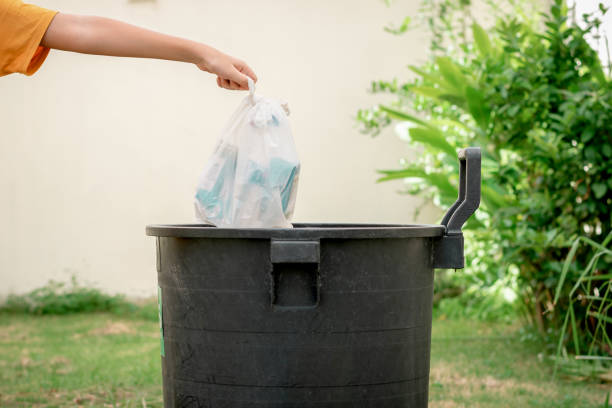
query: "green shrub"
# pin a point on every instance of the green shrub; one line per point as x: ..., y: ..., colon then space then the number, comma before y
x: 534, y: 96
x: 489, y: 304
x: 59, y: 298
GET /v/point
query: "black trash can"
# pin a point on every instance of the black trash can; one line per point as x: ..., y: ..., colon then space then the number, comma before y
x: 321, y: 315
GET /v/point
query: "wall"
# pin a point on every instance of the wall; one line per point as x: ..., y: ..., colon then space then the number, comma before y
x: 94, y: 148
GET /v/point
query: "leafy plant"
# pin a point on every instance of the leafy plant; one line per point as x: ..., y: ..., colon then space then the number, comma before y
x: 533, y: 95
x: 489, y: 304
x: 585, y: 327
x: 59, y: 298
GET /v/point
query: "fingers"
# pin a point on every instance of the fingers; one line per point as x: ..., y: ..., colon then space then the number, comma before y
x: 238, y: 78
x: 229, y: 84
x: 234, y: 76
x: 245, y: 69
x: 238, y: 75
x: 234, y: 80
x: 236, y: 87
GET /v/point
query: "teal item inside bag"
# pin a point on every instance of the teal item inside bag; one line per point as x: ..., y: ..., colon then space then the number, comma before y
x: 281, y: 175
x: 211, y: 199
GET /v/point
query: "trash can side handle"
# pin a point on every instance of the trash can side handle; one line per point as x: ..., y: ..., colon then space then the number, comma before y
x: 469, y: 191
x: 292, y: 251
x: 448, y: 249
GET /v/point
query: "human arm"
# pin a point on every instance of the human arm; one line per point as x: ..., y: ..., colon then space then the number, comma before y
x: 104, y: 36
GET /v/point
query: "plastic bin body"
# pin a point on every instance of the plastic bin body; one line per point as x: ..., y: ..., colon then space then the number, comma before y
x: 318, y: 316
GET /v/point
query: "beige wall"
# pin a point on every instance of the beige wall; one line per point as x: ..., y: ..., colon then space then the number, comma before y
x: 94, y: 148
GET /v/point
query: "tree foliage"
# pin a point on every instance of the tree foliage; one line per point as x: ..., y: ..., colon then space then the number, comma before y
x: 534, y: 96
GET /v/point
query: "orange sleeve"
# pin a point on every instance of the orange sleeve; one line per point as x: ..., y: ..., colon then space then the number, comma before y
x: 22, y: 27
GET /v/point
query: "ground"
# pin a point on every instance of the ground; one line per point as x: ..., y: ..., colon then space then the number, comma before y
x: 103, y: 360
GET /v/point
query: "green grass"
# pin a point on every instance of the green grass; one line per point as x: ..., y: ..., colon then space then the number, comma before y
x: 478, y: 364
x: 101, y: 359
x: 79, y: 360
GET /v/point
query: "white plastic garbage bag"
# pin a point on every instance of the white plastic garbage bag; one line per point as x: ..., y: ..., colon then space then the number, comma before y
x: 251, y: 179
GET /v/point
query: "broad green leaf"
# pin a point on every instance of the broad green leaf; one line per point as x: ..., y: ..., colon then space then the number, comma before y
x: 490, y: 205
x: 451, y: 72
x: 598, y: 72
x: 455, y: 100
x: 433, y: 77
x: 428, y: 91
x: 481, y: 38
x: 599, y: 189
x: 452, y: 123
x: 491, y: 196
x: 447, y: 190
x: 399, y: 115
x: 433, y: 138
x: 477, y: 106
x: 440, y: 181
x: 587, y: 134
x: 473, y: 223
x: 401, y: 174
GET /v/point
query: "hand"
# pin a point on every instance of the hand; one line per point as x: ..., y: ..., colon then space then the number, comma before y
x: 231, y: 72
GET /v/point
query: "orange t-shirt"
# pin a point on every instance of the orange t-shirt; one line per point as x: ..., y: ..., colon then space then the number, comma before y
x: 22, y: 27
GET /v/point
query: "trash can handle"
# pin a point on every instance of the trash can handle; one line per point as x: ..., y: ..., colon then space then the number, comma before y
x: 448, y: 249
x: 282, y: 251
x: 469, y: 191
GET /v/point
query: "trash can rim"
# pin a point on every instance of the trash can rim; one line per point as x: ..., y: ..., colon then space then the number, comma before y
x: 300, y: 231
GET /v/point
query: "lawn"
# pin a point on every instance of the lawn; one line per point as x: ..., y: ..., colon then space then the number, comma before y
x: 104, y: 360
